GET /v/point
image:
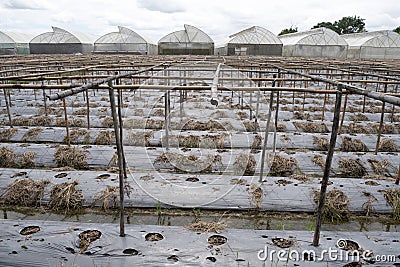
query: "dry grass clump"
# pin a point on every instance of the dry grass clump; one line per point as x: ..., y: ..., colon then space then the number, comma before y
x: 76, y: 122
x: 311, y: 127
x: 301, y: 177
x: 70, y: 156
x: 86, y: 238
x: 319, y: 160
x: 6, y: 134
x: 154, y: 124
x: 321, y: 142
x: 7, y: 157
x: 359, y: 117
x: 213, y: 141
x: 66, y: 197
x: 255, y: 196
x: 32, y: 133
x: 336, y: 206
x: 282, y: 166
x: 135, y: 138
x: 82, y: 111
x: 281, y: 128
x: 190, y: 163
x: 257, y: 141
x: 42, y: 121
x: 352, y: 145
x: 25, y: 192
x: 242, y: 115
x: 251, y: 126
x: 50, y: 111
x: 387, y: 128
x: 352, y: 167
x: 21, y: 122
x: 380, y: 167
x: 301, y: 115
x: 207, y: 227
x: 105, y: 138
x: 159, y: 113
x: 355, y: 128
x: 367, y: 206
x: 393, y: 118
x: 244, y: 164
x: 109, y: 197
x: 108, y: 122
x: 388, y: 145
x: 75, y: 134
x: 210, y: 125
x: 28, y: 159
x: 392, y: 197
x: 63, y: 169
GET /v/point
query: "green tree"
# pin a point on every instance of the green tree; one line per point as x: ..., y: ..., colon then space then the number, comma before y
x: 345, y: 25
x: 397, y: 30
x: 290, y: 30
x: 328, y: 25
x: 350, y: 25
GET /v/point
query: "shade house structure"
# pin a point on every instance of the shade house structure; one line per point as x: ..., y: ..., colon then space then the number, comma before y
x: 320, y: 42
x: 12, y: 43
x: 254, y: 41
x: 190, y: 41
x: 373, y: 45
x: 60, y: 41
x: 124, y: 41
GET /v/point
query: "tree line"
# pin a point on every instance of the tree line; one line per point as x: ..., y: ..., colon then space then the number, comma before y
x: 345, y: 25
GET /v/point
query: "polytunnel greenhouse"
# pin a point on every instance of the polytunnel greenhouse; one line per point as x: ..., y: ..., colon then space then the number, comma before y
x: 320, y: 42
x: 60, y: 41
x: 190, y: 41
x: 124, y: 41
x: 252, y: 41
x: 14, y: 43
x: 373, y: 45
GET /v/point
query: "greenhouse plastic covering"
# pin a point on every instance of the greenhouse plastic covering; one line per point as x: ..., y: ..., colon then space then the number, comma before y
x: 320, y: 36
x: 59, y: 35
x: 190, y: 34
x: 254, y: 35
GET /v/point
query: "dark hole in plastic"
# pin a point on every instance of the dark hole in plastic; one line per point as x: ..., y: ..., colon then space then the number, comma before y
x: 19, y: 174
x: 130, y: 251
x: 173, y: 258
x: 217, y: 240
x: 29, y: 230
x: 240, y: 260
x: 212, y: 259
x: 61, y: 175
x: 153, y: 237
x: 103, y: 176
x: 264, y: 236
x: 192, y: 179
x: 69, y: 249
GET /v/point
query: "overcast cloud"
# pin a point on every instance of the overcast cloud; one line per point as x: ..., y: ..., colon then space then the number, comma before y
x: 156, y: 18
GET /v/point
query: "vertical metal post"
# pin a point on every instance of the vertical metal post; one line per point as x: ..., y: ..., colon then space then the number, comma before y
x: 166, y: 120
x: 378, y: 140
x: 276, y: 114
x: 8, y: 107
x: 66, y: 122
x: 120, y: 160
x: 271, y: 101
x: 328, y: 163
x: 87, y: 108
x: 344, y: 112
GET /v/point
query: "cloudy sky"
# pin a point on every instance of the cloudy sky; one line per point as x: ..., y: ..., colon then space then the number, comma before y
x: 218, y: 18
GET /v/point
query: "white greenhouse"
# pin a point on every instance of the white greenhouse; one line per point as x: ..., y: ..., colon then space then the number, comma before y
x: 373, y: 45
x: 252, y: 41
x: 190, y: 41
x: 124, y: 41
x: 320, y: 42
x: 60, y: 41
x: 14, y: 43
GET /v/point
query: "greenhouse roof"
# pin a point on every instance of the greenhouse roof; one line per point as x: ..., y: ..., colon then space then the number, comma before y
x: 254, y: 35
x: 319, y: 36
x: 61, y: 36
x: 190, y: 34
x: 124, y: 36
x: 15, y: 37
x: 374, y: 39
